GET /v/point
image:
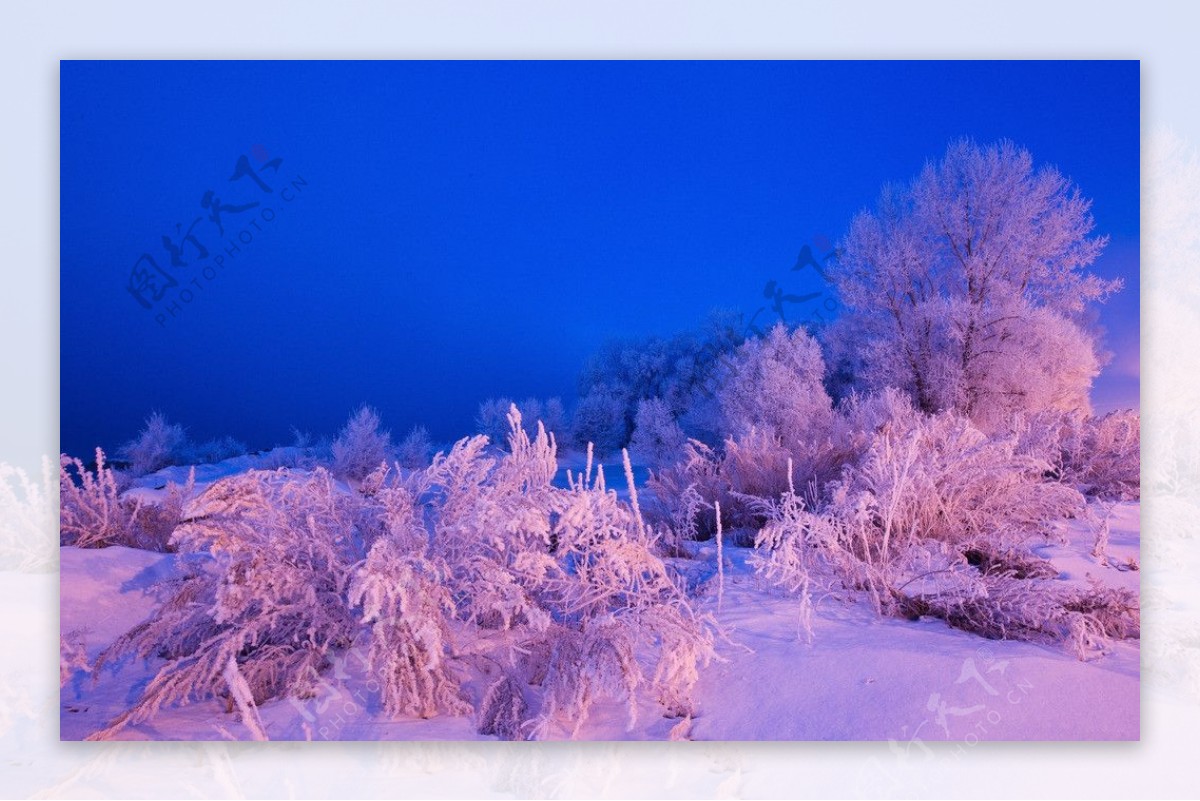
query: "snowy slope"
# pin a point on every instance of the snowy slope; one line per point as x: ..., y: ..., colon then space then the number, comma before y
x: 860, y: 678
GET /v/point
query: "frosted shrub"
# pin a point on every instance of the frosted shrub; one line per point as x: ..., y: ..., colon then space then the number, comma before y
x: 274, y: 598
x: 566, y: 573
x: 1102, y: 455
x: 477, y: 560
x: 93, y: 513
x: 415, y: 449
x: 409, y: 610
x: 1001, y: 606
x: 360, y: 446
x: 158, y: 445
x: 750, y: 467
x: 945, y: 480
x: 934, y: 520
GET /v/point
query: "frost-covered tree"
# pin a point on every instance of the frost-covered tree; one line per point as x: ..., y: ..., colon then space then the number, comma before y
x: 360, y: 446
x: 775, y: 384
x: 966, y: 288
x: 160, y: 443
x: 600, y: 419
x: 657, y: 437
x: 554, y: 416
x: 491, y: 419
x: 677, y: 370
x: 415, y: 449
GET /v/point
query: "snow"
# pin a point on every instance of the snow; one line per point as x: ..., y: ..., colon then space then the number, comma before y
x: 861, y: 678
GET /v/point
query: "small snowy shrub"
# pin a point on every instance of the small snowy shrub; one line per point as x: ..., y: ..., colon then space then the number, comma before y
x: 657, y: 437
x: 1002, y: 607
x: 274, y: 598
x: 158, y: 445
x: 360, y: 446
x: 92, y: 512
x: 750, y: 467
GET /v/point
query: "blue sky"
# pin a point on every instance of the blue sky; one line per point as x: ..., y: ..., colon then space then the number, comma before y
x: 440, y: 232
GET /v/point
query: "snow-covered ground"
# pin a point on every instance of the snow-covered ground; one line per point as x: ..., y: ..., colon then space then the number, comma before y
x: 861, y: 678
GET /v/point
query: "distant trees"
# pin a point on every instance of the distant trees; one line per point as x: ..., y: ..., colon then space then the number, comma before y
x: 966, y: 287
x: 677, y: 371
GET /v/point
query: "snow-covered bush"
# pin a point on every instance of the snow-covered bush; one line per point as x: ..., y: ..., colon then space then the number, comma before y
x: 935, y: 519
x: 158, y: 445
x: 409, y: 609
x: 415, y: 449
x: 476, y: 560
x: 943, y: 479
x: 1102, y: 455
x: 93, y: 514
x: 1003, y: 606
x: 360, y: 446
x: 570, y: 575
x: 657, y: 438
x: 753, y: 466
x: 274, y: 599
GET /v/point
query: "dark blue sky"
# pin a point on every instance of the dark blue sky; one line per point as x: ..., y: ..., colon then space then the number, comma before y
x: 438, y: 233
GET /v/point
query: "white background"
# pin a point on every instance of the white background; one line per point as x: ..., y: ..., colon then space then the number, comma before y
x: 34, y: 36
